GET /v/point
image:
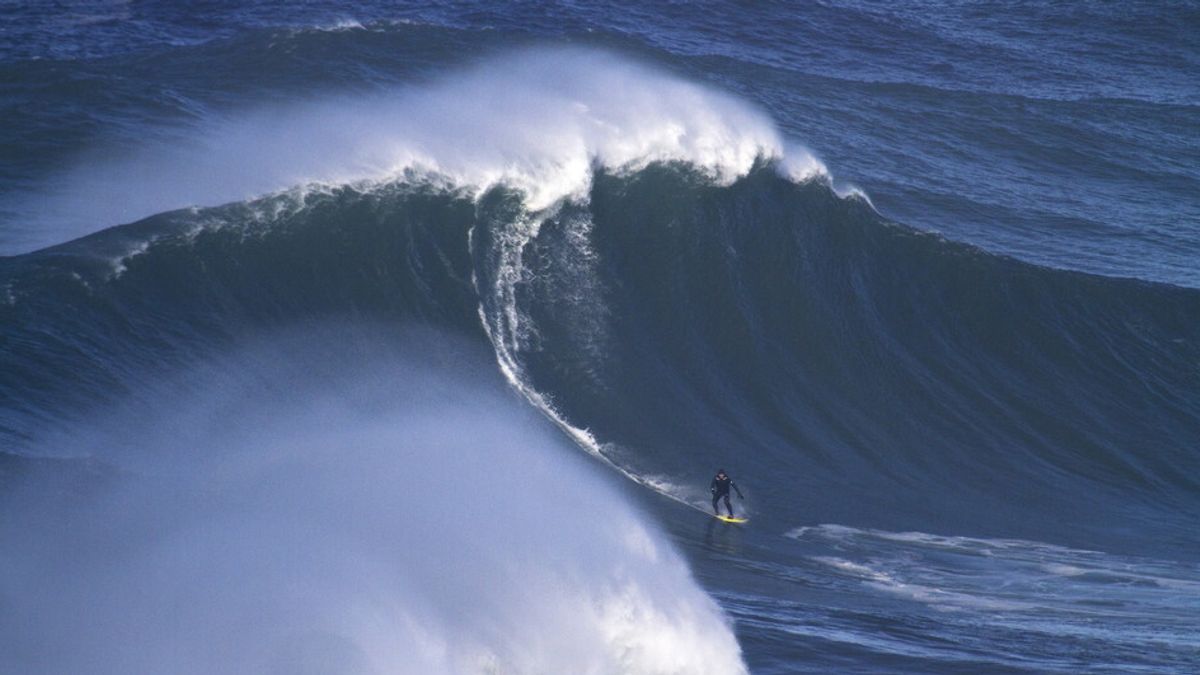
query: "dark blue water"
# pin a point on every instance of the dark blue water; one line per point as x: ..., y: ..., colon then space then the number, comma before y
x: 924, y: 279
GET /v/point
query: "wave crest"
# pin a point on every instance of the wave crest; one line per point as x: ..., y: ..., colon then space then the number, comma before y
x: 539, y: 120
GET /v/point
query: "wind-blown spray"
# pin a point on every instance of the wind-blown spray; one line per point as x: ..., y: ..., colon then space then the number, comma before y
x: 371, y: 515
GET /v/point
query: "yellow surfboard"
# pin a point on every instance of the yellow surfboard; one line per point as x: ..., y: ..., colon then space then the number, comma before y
x: 732, y: 519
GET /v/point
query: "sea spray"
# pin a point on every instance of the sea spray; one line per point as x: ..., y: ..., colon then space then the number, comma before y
x: 538, y: 120
x: 342, y: 501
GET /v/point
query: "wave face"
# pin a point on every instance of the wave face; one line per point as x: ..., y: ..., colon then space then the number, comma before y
x: 292, y: 370
x: 833, y: 348
x: 674, y: 318
x: 668, y: 323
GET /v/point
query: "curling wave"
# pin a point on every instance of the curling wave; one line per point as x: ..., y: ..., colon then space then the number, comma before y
x: 670, y: 284
x: 539, y: 121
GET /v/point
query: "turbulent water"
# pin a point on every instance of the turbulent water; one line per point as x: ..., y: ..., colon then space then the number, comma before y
x: 406, y: 339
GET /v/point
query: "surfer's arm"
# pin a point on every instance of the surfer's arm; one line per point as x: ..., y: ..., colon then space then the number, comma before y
x: 735, y: 489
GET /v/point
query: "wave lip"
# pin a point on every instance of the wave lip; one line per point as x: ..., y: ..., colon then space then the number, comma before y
x: 538, y: 120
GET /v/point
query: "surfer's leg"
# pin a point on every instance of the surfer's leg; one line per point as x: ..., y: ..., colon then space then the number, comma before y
x: 728, y: 506
x: 716, y: 498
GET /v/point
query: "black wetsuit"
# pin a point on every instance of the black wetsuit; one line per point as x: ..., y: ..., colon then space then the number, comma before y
x: 720, y: 488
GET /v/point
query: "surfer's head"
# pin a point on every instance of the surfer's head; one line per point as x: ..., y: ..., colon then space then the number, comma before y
x: 721, y: 472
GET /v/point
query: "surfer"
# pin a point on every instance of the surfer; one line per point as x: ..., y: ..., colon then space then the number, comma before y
x: 720, y: 488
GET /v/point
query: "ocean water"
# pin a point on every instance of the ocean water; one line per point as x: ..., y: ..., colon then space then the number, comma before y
x: 372, y: 338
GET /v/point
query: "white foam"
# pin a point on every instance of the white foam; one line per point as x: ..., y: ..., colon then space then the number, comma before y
x: 900, y: 582
x: 344, y: 24
x: 976, y: 545
x: 368, y: 517
x: 1022, y: 580
x: 798, y: 164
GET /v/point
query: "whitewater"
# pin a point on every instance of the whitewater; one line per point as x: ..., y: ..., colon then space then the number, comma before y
x: 549, y: 120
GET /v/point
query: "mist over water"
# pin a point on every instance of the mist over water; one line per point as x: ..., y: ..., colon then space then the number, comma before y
x: 328, y: 502
x: 538, y: 120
